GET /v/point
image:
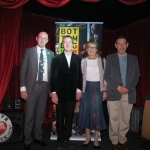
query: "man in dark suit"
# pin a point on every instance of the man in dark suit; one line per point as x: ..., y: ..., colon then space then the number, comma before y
x: 66, y: 84
x: 122, y: 75
x: 35, y: 87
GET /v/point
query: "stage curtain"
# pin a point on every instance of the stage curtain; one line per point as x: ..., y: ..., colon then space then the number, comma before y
x: 131, y: 2
x: 9, y: 31
x: 91, y: 1
x: 31, y: 25
x: 12, y: 4
x: 54, y: 3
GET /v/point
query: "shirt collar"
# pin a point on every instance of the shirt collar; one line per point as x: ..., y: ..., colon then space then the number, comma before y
x: 68, y: 55
x: 39, y: 48
x: 123, y: 56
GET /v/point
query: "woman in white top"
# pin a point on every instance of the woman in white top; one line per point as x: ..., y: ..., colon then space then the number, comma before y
x: 94, y: 91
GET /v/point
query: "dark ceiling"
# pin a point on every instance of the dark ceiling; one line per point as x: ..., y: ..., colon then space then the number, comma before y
x: 112, y: 13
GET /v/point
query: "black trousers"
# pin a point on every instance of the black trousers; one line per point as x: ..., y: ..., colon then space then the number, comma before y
x: 65, y: 113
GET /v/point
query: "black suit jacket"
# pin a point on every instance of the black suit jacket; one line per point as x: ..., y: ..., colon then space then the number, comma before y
x: 65, y: 80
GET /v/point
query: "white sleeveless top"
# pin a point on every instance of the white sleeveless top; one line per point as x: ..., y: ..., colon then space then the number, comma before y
x: 92, y: 70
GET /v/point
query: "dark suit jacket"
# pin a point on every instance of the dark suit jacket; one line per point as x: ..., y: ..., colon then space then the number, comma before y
x: 112, y: 76
x: 29, y: 68
x: 59, y: 76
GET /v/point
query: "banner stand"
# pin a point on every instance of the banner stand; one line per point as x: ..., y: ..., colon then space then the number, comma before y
x: 77, y: 133
x: 75, y: 137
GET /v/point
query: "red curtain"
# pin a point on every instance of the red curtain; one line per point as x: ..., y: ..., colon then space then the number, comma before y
x: 54, y: 3
x: 131, y: 2
x: 91, y: 1
x: 31, y: 25
x: 12, y: 4
x: 9, y: 31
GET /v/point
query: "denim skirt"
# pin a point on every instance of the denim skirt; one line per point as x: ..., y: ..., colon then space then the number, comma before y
x: 91, y: 108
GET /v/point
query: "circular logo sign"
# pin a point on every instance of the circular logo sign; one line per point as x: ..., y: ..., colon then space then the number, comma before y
x: 6, y: 128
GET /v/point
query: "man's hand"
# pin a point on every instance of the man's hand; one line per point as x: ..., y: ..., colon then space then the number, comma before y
x: 78, y: 95
x: 24, y: 95
x: 54, y: 98
x: 104, y: 96
x: 122, y: 90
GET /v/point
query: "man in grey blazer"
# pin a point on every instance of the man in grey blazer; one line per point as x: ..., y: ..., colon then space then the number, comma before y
x: 121, y: 74
x: 35, y: 87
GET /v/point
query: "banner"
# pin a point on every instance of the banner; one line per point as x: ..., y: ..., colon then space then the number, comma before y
x: 81, y: 32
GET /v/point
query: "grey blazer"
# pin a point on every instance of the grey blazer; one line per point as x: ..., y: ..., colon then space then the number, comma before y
x: 29, y: 68
x: 112, y: 76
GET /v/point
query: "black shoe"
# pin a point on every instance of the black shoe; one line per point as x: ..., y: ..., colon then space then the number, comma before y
x: 40, y: 142
x: 59, y: 144
x: 26, y: 147
x: 115, y: 147
x: 69, y: 144
x: 96, y: 147
x: 124, y: 146
x: 85, y: 145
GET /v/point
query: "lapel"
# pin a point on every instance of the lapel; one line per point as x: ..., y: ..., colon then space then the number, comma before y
x: 64, y: 60
x: 35, y: 56
x: 48, y: 58
x: 73, y: 60
x: 128, y: 63
x: 116, y: 62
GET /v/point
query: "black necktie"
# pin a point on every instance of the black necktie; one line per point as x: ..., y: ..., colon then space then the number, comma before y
x: 41, y: 70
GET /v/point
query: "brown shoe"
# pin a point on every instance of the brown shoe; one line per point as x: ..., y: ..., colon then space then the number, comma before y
x: 124, y: 146
x: 115, y: 147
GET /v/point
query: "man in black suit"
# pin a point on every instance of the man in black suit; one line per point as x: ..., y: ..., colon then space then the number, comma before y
x: 34, y: 87
x: 66, y: 84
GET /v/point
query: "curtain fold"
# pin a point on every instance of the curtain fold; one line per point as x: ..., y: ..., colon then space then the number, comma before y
x: 12, y: 4
x: 54, y: 3
x: 9, y: 31
x: 91, y: 1
x: 131, y: 2
x: 31, y: 25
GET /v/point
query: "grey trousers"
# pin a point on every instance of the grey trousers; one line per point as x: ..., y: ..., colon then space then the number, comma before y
x: 35, y: 108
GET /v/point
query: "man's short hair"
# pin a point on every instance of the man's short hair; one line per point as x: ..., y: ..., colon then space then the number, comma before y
x: 121, y: 37
x: 67, y: 36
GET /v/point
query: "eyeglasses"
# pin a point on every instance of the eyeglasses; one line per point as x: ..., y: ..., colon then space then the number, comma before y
x: 41, y: 38
x: 92, y: 48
